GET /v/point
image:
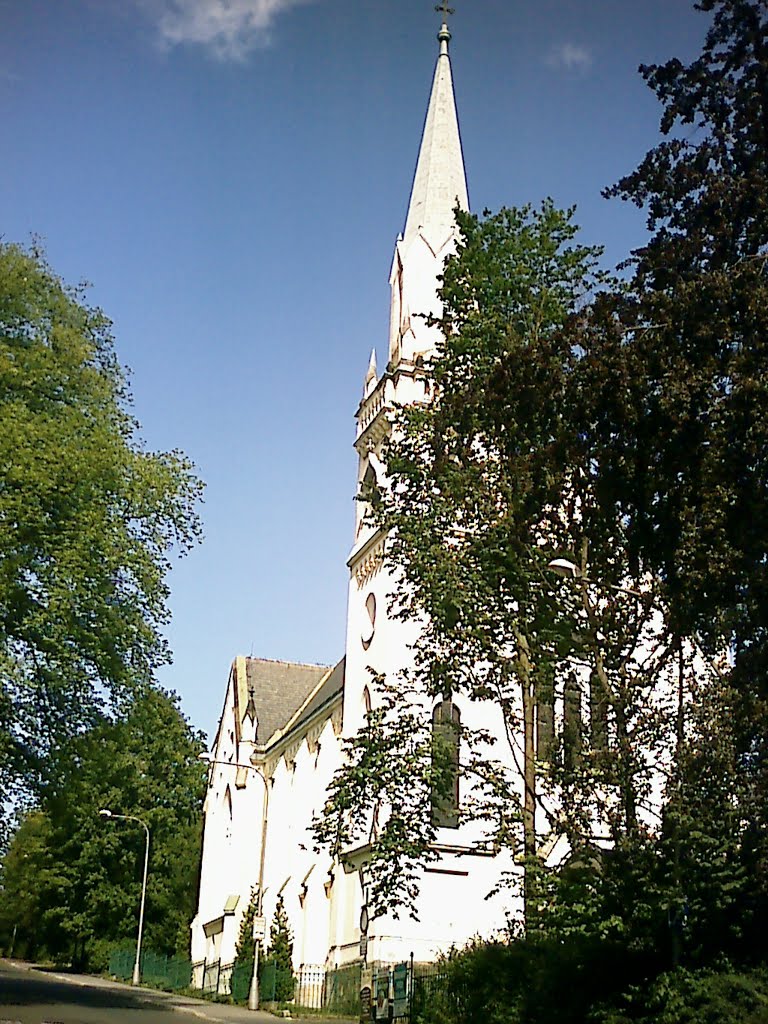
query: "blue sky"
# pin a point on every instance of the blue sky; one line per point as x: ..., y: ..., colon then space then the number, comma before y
x: 231, y: 176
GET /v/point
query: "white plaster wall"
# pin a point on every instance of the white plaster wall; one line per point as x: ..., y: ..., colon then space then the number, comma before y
x: 231, y: 848
x: 452, y: 907
x: 297, y: 793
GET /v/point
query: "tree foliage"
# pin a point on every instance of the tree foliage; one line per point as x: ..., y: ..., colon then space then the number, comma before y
x: 88, y: 519
x: 72, y: 879
x: 280, y: 955
x: 488, y: 482
x: 689, y: 339
x: 246, y: 944
x: 684, y: 435
x: 620, y: 424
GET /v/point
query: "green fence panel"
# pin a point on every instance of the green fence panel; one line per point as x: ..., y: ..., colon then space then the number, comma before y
x: 169, y: 973
x: 121, y: 963
x: 342, y: 990
x: 240, y: 983
x: 431, y: 997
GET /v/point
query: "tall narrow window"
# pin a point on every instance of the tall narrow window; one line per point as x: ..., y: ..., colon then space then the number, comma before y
x: 228, y: 807
x: 598, y: 713
x: 572, y: 723
x: 545, y: 719
x: 446, y: 735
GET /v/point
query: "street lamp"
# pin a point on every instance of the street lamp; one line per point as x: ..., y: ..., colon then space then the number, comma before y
x: 253, y: 994
x: 105, y: 813
x: 569, y: 570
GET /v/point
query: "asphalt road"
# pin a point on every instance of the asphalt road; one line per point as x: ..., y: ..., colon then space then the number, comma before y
x: 34, y: 996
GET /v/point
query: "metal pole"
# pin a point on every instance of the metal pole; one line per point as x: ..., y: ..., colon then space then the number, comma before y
x: 137, y: 965
x: 253, y: 994
x: 105, y: 813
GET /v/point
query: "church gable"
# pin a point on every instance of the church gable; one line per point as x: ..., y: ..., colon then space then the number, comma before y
x: 278, y: 689
x: 322, y: 705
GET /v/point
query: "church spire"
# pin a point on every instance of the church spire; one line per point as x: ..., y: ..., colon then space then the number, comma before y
x: 439, y: 185
x: 440, y: 180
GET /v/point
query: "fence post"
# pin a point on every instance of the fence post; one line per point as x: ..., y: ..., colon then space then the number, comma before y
x: 410, y: 993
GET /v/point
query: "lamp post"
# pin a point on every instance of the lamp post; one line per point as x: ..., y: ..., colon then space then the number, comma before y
x: 253, y: 993
x: 105, y: 813
x: 569, y: 570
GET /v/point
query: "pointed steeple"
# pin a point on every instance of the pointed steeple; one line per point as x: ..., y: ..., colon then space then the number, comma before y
x: 440, y: 179
x: 430, y: 232
x: 371, y: 377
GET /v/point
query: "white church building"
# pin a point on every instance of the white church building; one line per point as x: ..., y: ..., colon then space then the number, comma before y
x: 288, y: 721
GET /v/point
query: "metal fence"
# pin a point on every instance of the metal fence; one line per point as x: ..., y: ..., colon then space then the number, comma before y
x: 166, y: 972
x: 240, y: 982
x: 276, y: 984
x: 211, y: 972
x: 342, y: 990
x: 430, y: 994
x: 413, y: 991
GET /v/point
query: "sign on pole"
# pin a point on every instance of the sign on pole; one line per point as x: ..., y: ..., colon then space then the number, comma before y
x: 366, y: 983
x: 400, y: 990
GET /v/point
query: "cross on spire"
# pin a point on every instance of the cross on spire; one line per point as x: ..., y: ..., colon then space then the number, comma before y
x: 445, y: 10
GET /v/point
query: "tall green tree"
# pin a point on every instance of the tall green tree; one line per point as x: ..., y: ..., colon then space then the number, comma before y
x: 280, y: 956
x: 72, y: 879
x: 88, y: 521
x: 488, y: 483
x: 245, y: 946
x: 675, y: 391
x: 681, y: 416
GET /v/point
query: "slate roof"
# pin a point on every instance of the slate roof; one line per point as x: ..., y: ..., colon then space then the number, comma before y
x: 279, y: 690
x: 332, y: 686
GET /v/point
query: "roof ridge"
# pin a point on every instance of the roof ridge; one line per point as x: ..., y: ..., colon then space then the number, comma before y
x: 292, y: 664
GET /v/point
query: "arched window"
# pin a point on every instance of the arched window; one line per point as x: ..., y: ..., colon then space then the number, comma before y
x: 369, y: 627
x: 598, y: 713
x: 446, y: 735
x: 573, y: 727
x: 369, y: 485
x: 228, y: 807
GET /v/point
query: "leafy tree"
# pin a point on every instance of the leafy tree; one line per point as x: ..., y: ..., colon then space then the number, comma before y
x: 88, y: 519
x: 28, y: 871
x: 75, y: 890
x: 487, y: 483
x: 684, y: 434
x: 675, y: 378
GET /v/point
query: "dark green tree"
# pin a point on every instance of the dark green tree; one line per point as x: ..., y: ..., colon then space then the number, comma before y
x: 30, y: 872
x: 675, y: 388
x: 680, y: 383
x: 88, y: 520
x: 280, y: 956
x: 489, y: 482
x: 76, y: 888
x: 246, y: 944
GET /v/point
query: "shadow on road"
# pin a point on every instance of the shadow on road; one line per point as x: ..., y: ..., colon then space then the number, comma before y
x: 36, y: 989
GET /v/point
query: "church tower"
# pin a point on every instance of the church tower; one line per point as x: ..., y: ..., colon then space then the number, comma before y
x: 439, y: 185
x: 376, y: 643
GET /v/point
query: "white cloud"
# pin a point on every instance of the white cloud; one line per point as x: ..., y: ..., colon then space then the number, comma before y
x: 570, y: 57
x: 229, y: 29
